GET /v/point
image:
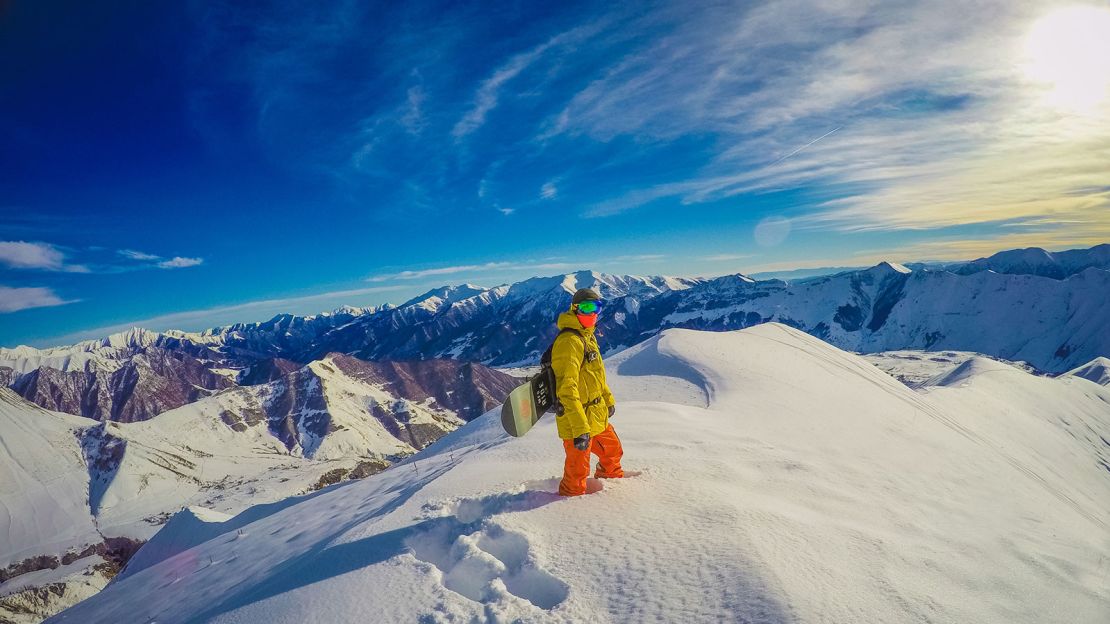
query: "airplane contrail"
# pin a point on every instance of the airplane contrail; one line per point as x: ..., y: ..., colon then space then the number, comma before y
x: 805, y: 146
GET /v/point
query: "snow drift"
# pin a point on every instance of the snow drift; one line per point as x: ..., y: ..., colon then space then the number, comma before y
x: 780, y: 479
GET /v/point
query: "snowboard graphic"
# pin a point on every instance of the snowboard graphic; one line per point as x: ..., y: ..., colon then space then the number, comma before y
x: 528, y: 402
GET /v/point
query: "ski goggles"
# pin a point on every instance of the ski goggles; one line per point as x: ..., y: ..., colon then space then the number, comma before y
x: 588, y: 307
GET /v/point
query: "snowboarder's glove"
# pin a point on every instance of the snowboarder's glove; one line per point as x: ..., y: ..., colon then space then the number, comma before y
x: 612, y: 410
x: 582, y: 442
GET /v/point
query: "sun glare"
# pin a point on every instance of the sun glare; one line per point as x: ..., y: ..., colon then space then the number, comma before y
x: 1068, y: 54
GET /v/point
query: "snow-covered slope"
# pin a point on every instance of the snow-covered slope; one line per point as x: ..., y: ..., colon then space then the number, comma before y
x: 915, y: 367
x: 1037, y: 261
x: 772, y: 478
x: 261, y: 442
x: 44, y: 483
x: 52, y: 554
x: 1097, y: 370
x: 72, y: 488
x: 103, y: 354
x: 1052, y: 324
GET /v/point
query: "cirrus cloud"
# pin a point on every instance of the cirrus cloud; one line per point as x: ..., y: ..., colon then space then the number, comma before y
x: 15, y: 299
x: 41, y: 256
x: 178, y: 262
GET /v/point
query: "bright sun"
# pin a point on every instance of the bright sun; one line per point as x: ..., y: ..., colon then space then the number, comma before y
x: 1067, y: 52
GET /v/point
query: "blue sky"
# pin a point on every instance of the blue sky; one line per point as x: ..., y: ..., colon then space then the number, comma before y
x: 184, y: 165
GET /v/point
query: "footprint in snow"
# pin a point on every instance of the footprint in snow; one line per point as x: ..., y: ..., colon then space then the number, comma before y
x: 480, y: 560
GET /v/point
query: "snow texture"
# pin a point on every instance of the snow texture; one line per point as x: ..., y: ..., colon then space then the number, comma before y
x: 1097, y: 370
x: 773, y: 478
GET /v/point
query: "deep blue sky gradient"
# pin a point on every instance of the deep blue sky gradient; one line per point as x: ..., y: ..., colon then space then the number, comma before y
x: 300, y: 149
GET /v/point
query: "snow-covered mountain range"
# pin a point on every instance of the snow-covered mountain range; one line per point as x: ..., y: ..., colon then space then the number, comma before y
x: 255, y: 412
x: 1000, y: 306
x: 1037, y: 261
x: 79, y: 495
x: 771, y: 478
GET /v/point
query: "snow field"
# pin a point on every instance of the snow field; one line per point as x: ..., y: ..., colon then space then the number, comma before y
x: 780, y: 480
x: 43, y: 482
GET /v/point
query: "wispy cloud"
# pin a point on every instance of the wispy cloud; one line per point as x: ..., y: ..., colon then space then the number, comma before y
x: 137, y: 255
x: 413, y: 119
x: 448, y: 270
x: 40, y: 256
x: 639, y: 258
x: 47, y: 257
x: 939, y: 129
x: 471, y: 268
x: 192, y: 320
x: 15, y: 299
x: 726, y: 257
x: 488, y: 94
x: 178, y: 262
x: 894, y: 116
x: 144, y: 260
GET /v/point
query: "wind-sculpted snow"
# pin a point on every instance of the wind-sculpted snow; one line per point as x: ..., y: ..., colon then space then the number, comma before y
x: 779, y: 480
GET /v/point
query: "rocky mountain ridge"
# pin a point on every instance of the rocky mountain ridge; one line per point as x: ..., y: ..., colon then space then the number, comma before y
x: 1053, y: 324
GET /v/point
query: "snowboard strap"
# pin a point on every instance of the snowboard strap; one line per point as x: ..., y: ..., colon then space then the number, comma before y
x: 548, y: 373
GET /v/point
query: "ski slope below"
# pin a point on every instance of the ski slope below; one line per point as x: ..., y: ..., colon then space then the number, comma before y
x: 779, y: 480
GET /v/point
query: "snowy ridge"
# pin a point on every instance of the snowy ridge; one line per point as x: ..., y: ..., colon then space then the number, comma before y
x: 44, y: 490
x: 973, y: 367
x: 780, y: 479
x: 1052, y: 324
x: 915, y: 367
x: 1097, y: 370
x: 72, y: 485
x: 103, y: 354
x: 1037, y: 261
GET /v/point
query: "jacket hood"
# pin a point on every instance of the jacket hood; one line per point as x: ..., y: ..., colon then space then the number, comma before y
x: 569, y: 320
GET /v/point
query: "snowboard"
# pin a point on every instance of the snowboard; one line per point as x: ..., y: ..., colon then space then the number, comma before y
x: 527, y: 403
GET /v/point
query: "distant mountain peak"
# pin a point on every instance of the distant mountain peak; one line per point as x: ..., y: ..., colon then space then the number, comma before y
x: 888, y: 267
x: 1097, y: 370
x: 971, y: 368
x: 133, y: 337
x: 1028, y: 254
x: 446, y: 294
x: 1038, y: 261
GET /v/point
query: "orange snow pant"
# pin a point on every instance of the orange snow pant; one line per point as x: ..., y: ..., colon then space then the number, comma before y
x: 607, y: 446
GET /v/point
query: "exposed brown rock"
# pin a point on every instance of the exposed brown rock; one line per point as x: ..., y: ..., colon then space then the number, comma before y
x: 466, y: 388
x: 267, y: 370
x: 151, y: 381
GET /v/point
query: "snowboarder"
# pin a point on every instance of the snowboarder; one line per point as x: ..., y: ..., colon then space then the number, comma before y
x: 585, y: 403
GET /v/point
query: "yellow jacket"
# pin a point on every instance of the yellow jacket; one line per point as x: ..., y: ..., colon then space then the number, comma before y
x: 579, y: 381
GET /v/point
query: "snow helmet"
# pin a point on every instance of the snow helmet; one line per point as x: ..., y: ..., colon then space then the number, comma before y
x: 583, y: 294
